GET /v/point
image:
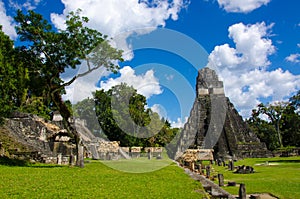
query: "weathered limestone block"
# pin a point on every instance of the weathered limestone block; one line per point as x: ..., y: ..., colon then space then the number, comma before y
x: 242, y: 191
x: 221, y: 179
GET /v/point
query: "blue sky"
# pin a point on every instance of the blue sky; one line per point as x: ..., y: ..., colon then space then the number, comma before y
x: 253, y: 44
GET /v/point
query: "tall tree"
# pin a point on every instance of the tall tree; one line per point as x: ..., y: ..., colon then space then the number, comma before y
x: 295, y: 101
x: 85, y: 110
x: 290, y: 127
x: 49, y: 53
x: 123, y: 117
x: 7, y: 72
x: 13, y: 77
x: 121, y: 112
x: 281, y: 127
x: 264, y: 130
x: 274, y: 113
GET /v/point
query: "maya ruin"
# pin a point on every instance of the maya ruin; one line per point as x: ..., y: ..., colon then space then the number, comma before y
x: 215, y: 124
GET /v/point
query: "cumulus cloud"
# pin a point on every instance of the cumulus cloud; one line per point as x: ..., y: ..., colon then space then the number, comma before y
x: 252, y: 48
x: 179, y: 123
x: 146, y: 84
x: 115, y: 17
x: 160, y: 110
x: 242, y: 6
x: 8, y: 26
x: 28, y: 4
x: 243, y: 68
x: 83, y: 87
x: 294, y: 58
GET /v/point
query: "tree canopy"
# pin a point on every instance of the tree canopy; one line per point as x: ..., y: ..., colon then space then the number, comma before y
x: 48, y: 53
x: 281, y: 124
x: 123, y: 116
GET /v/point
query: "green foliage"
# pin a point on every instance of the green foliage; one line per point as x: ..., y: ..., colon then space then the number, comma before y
x: 282, y: 126
x: 36, y: 106
x: 85, y: 110
x: 295, y: 101
x: 123, y: 117
x: 95, y: 181
x: 48, y: 53
x: 265, y: 131
x: 7, y: 75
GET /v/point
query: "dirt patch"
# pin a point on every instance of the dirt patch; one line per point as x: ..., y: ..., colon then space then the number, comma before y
x: 265, y: 196
x: 267, y: 164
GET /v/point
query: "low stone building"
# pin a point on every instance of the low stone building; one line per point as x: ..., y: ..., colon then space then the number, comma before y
x: 135, y: 152
x: 154, y: 151
x: 192, y: 158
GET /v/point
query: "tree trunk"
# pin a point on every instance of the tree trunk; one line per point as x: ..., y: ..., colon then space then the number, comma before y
x: 65, y: 113
x: 278, y: 133
x: 80, y: 159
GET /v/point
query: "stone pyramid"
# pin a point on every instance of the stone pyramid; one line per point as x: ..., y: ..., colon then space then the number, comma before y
x: 214, y: 123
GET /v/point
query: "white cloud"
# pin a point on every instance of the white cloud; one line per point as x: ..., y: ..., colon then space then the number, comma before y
x: 169, y: 77
x: 252, y: 48
x: 179, y: 123
x: 294, y: 58
x: 146, y: 84
x: 7, y: 22
x: 244, y: 68
x: 83, y: 87
x: 115, y: 17
x: 252, y: 43
x: 242, y: 6
x: 160, y: 110
x: 276, y: 85
x: 28, y: 4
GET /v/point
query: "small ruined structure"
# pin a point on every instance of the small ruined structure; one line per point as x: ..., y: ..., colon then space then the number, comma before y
x: 214, y: 123
x: 194, y: 155
x: 192, y: 159
x: 104, y: 150
x: 38, y: 140
x: 154, y: 151
x: 135, y: 151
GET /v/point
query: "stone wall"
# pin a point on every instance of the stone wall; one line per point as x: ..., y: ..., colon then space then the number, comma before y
x: 37, y: 139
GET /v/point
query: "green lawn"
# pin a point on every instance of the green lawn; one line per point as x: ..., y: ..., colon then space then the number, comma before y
x: 138, y: 165
x: 280, y: 178
x: 97, y: 180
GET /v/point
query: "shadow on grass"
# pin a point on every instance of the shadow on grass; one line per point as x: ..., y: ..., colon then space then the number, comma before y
x: 286, y: 161
x: 13, y: 162
x: 6, y: 161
